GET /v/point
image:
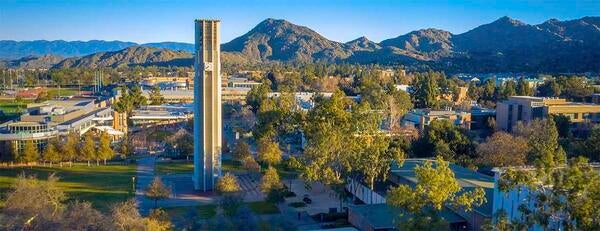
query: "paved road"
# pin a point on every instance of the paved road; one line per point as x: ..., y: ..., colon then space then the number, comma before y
x: 144, y: 176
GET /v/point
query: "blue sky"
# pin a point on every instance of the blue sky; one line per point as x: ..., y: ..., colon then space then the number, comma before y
x: 155, y: 21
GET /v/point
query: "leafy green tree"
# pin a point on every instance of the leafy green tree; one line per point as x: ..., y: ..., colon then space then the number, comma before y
x: 105, y: 150
x: 256, y: 96
x: 426, y: 90
x: 436, y: 187
x: 442, y: 138
x: 157, y: 190
x: 155, y: 97
x: 126, y: 147
x: 270, y: 180
x: 30, y: 153
x: 88, y: 148
x: 509, y: 89
x: 397, y: 104
x: 542, y: 137
x: 523, y: 87
x: 550, y: 88
x: 51, y: 153
x: 269, y: 152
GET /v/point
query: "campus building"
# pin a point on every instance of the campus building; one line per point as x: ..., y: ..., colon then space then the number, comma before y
x: 527, y: 108
x: 207, y: 105
x: 420, y: 118
x: 44, y: 121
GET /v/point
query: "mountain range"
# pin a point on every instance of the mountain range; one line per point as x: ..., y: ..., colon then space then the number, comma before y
x: 505, y: 45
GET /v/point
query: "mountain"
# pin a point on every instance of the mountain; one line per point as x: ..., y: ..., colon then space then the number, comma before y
x: 10, y: 49
x: 276, y: 39
x: 424, y: 44
x: 135, y: 55
x: 504, y: 45
x: 34, y: 62
x: 362, y: 44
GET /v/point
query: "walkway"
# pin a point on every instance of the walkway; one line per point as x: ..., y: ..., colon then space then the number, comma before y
x: 144, y: 176
x: 182, y: 188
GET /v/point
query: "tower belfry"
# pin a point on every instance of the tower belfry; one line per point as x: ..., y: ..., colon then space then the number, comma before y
x: 207, y: 105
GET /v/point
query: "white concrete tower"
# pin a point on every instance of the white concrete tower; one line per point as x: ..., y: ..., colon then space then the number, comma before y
x: 207, y: 105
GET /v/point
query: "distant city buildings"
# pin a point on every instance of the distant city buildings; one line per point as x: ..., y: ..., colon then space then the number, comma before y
x: 527, y: 108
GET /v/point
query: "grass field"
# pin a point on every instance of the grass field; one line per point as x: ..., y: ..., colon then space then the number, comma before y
x: 188, y: 167
x: 263, y: 207
x: 63, y: 91
x: 203, y: 211
x: 101, y: 185
x: 174, y: 168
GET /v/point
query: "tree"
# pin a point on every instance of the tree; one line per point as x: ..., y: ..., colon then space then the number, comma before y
x: 442, y: 138
x: 374, y: 158
x: 126, y: 216
x: 157, y: 190
x: 251, y: 165
x: 502, y: 150
x: 241, y: 150
x: 33, y: 198
x: 426, y: 90
x: 436, y: 187
x: 397, y: 104
x: 126, y: 147
x: 592, y: 144
x: 509, y: 89
x: 564, y: 197
x: 69, y: 148
x: 523, y: 87
x: 105, y: 151
x: 269, y: 152
x: 88, y: 148
x: 51, y: 154
x: 228, y: 184
x: 30, y: 153
x: 542, y: 137
x: 159, y: 219
x: 256, y: 96
x: 82, y: 216
x: 270, y: 180
x: 155, y: 97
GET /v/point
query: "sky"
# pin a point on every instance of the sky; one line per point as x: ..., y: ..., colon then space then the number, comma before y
x: 144, y: 21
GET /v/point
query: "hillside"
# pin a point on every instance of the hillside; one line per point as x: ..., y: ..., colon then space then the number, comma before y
x: 505, y: 45
x: 135, y: 55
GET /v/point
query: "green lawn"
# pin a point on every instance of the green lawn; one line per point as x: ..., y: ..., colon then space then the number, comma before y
x: 203, y: 211
x: 63, y: 91
x: 188, y: 167
x: 232, y: 166
x: 174, y: 167
x: 101, y: 185
x: 263, y: 207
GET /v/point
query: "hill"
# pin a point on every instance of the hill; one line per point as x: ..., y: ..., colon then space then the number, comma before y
x: 505, y: 45
x: 135, y: 55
